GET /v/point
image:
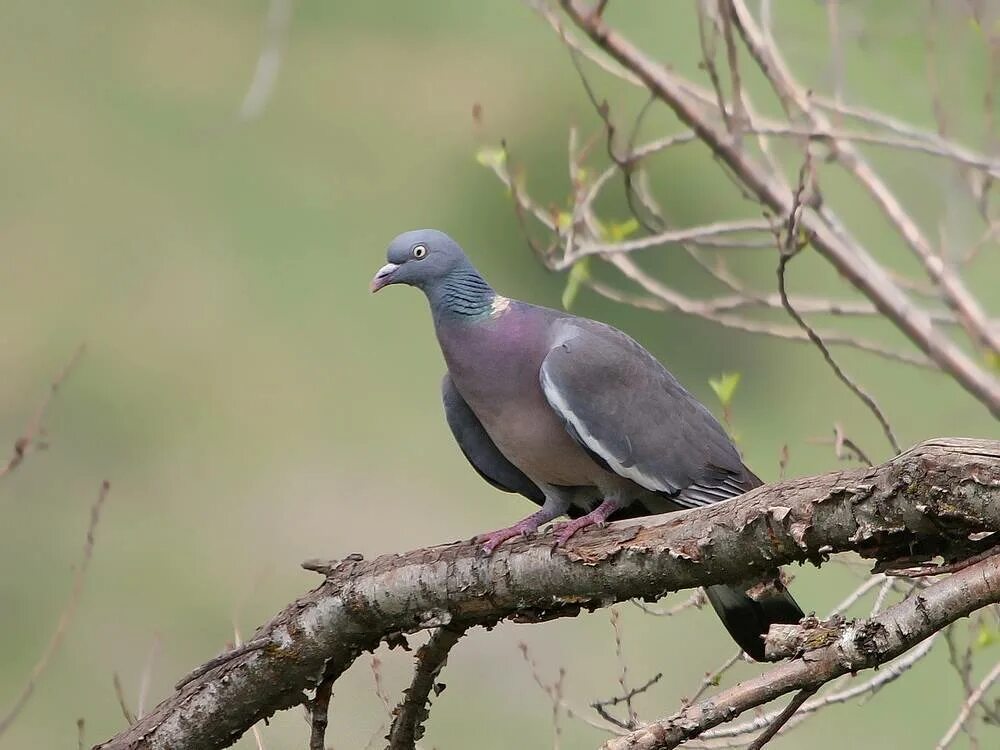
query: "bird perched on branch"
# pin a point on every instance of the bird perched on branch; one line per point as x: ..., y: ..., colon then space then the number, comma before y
x: 574, y: 415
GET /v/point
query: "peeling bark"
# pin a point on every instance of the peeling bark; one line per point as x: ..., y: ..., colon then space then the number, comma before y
x: 940, y: 498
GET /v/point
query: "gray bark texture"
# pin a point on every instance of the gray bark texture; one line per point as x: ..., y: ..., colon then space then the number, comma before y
x: 941, y: 498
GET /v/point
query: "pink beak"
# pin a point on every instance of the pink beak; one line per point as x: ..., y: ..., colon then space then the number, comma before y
x: 383, y: 277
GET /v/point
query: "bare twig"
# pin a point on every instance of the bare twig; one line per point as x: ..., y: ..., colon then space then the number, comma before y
x: 122, y: 703
x: 626, y: 692
x: 265, y: 74
x: 696, y: 600
x: 65, y: 618
x: 787, y: 251
x: 829, y: 237
x: 147, y: 675
x: 711, y: 679
x: 968, y: 706
x: 670, y: 299
x: 899, y: 628
x: 602, y: 706
x: 936, y: 570
x: 781, y: 719
x: 35, y: 429
x: 319, y: 708
x: 773, y: 66
x: 886, y: 674
x: 413, y: 710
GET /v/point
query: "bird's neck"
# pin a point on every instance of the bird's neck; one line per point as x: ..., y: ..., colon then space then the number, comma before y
x: 464, y: 296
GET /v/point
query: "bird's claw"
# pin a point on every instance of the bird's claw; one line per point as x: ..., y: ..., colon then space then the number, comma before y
x: 564, y: 531
x: 494, y: 539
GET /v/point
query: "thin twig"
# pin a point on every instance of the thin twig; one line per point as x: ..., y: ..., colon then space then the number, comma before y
x: 66, y: 617
x: 786, y: 253
x: 122, y: 703
x: 265, y: 74
x: 616, y: 625
x: 414, y: 708
x: 724, y: 11
x: 558, y: 699
x: 319, y: 709
x: 936, y: 570
x: 711, y: 679
x: 147, y: 676
x: 953, y: 289
x: 35, y: 429
x: 852, y: 598
x: 696, y: 600
x: 886, y: 674
x: 602, y: 706
x: 670, y: 299
x: 967, y: 707
x: 781, y: 719
x: 845, y: 253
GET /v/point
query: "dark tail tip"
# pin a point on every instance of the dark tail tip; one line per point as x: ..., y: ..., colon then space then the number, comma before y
x: 748, y: 620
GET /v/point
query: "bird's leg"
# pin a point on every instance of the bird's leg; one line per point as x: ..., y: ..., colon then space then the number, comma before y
x: 554, y: 507
x: 597, y: 517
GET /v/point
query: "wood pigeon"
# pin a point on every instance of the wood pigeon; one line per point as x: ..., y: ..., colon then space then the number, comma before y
x: 574, y: 415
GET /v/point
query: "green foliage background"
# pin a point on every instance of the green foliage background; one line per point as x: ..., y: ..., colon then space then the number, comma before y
x: 254, y: 406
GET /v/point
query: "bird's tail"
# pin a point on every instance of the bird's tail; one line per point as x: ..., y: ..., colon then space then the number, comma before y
x: 747, y: 618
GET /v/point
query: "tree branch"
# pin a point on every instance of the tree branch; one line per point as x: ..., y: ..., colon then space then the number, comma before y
x: 925, y: 502
x: 863, y: 645
x: 412, y: 711
x: 851, y: 259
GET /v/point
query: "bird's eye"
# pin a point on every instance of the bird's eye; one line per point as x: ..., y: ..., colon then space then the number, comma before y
x: 419, y: 251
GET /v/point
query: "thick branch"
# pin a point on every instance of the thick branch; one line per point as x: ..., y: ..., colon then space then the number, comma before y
x: 926, y: 501
x: 863, y: 645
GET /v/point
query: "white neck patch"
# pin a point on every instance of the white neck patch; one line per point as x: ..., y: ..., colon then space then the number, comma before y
x: 500, y: 304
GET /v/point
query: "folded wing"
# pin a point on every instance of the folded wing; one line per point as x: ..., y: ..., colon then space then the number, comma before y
x: 633, y: 417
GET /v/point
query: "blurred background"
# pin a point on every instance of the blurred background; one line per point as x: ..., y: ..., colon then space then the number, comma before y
x: 253, y: 405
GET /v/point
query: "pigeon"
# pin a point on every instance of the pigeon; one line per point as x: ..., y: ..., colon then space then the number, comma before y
x: 576, y: 416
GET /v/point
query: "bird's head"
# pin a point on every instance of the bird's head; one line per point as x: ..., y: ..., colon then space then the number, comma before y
x: 420, y: 258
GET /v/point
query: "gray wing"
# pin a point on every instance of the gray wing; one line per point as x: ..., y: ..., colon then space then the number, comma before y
x: 633, y: 417
x: 479, y: 448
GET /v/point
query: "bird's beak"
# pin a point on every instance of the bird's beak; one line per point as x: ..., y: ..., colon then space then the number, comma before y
x: 383, y: 277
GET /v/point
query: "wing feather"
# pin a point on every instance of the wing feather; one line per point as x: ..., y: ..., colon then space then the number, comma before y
x: 622, y: 406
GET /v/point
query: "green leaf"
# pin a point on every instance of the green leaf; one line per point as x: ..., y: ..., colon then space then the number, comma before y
x: 620, y: 230
x: 987, y: 636
x: 725, y: 387
x: 993, y: 360
x: 490, y: 156
x: 563, y: 220
x: 578, y: 274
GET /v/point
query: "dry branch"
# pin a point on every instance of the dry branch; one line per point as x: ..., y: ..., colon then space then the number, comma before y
x: 925, y: 502
x: 413, y: 710
x: 65, y: 617
x: 32, y: 437
x: 853, y: 261
x: 863, y: 645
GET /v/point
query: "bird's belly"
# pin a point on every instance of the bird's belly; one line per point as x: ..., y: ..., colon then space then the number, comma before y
x: 533, y: 438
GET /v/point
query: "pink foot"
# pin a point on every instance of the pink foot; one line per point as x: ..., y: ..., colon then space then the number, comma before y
x: 495, y: 538
x: 597, y: 517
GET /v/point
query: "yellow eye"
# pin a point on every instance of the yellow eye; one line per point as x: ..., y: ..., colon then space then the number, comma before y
x: 419, y: 251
